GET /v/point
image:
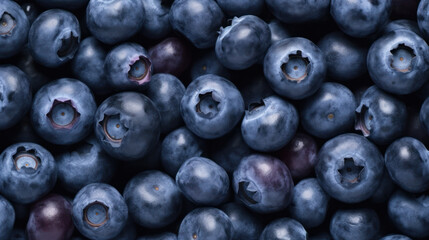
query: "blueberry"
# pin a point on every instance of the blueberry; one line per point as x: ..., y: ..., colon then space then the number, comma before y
x: 254, y: 89
x: 36, y: 76
x: 208, y: 63
x: 402, y: 24
x: 207, y: 224
x: 153, y: 199
x: 270, y: 124
x: 156, y: 19
x: 99, y: 211
x: 350, y: 168
x: 263, y: 183
x: 27, y: 173
x: 162, y: 236
x: 54, y: 38
x: 114, y: 21
x: 31, y: 9
x: 278, y: 31
x: 7, y: 218
x: 211, y: 106
x: 241, y: 7
x: 355, y: 224
x: 384, y: 190
x: 14, y: 27
x: 298, y: 11
x: 203, y: 182
x: 422, y: 17
x: 129, y: 232
x: 294, y: 67
x: 398, y: 62
x: 284, y: 229
x: 67, y: 4
x: 246, y: 225
x: 395, y: 237
x: 63, y: 111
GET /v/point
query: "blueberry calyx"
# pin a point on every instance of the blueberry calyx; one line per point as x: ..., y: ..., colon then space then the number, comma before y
x: 296, y: 68
x: 69, y: 45
x: 140, y: 70
x: 350, y: 172
x: 26, y: 159
x: 208, y: 106
x: 113, y: 128
x: 96, y: 214
x: 248, y: 192
x: 402, y: 58
x: 7, y: 24
x: 63, y: 114
x: 363, y: 118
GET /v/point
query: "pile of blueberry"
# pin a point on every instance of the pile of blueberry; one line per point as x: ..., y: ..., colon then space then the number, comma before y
x: 214, y: 119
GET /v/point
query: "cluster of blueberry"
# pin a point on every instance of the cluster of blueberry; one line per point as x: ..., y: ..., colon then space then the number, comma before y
x: 214, y: 120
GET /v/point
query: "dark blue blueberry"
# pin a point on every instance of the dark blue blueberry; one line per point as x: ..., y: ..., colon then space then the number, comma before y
x: 332, y: 107
x: 355, y: 224
x: 263, y: 183
x: 298, y: 11
x: 14, y: 27
x: 350, y: 168
x: 423, y: 17
x: 238, y: 8
x: 27, y: 172
x: 54, y: 37
x: 7, y: 219
x: 153, y: 199
x: 254, y: 89
x: 395, y: 237
x: 67, y: 4
x: 384, y: 190
x: 295, y: 67
x: 166, y: 92
x: 278, y: 31
x: 360, y: 18
x: 15, y: 96
x: 88, y: 65
x: 398, y: 62
x: 208, y: 63
x: 162, y: 236
x: 128, y: 67
x: 127, y: 125
x: 246, y: 225
x: 197, y: 20
x: 63, y: 111
x: 99, y: 211
x: 203, y: 182
x: 402, y: 24
x: 85, y: 164
x: 242, y: 44
x: 270, y: 124
x: 211, y: 106
x: 345, y: 57
x: 113, y: 21
x: 207, y: 224
x: 309, y: 203
x: 156, y: 19
x: 380, y: 117
x: 284, y: 229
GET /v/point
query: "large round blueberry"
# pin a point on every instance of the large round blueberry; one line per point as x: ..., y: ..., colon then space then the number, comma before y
x: 15, y: 95
x: 14, y: 28
x: 7, y: 218
x: 63, y: 111
x: 211, y: 106
x: 244, y: 43
x: 263, y: 183
x: 127, y: 125
x: 54, y: 37
x: 153, y: 199
x: 269, y: 125
x: 113, y: 21
x: 295, y: 67
x: 241, y: 7
x: 350, y: 168
x: 284, y: 229
x: 398, y: 62
x: 197, y: 20
x: 298, y: 11
x: 27, y: 172
x: 67, y: 4
x: 99, y: 211
x: 156, y: 19
x: 355, y: 224
x: 246, y: 224
x: 207, y: 224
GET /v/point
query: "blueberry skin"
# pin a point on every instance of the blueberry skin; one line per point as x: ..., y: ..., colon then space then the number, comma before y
x: 355, y: 224
x: 32, y: 10
x: 422, y: 17
x: 384, y: 190
x: 116, y: 211
x: 79, y: 99
x: 208, y: 63
x: 332, y: 107
x: 284, y: 229
x: 114, y: 21
x: 360, y: 18
x: 85, y: 164
x: 306, y: 58
x: 345, y: 58
x: 203, y: 182
x: 406, y: 160
x: 66, y: 4
x: 54, y: 37
x: 395, y: 237
x: 7, y: 218
x: 153, y: 199
x: 207, y: 224
x: 118, y: 67
x: 239, y: 8
x: 156, y: 19
x: 22, y: 184
x: 15, y: 92
x: 263, y: 183
x: 211, y: 106
x: 424, y: 115
x: 309, y: 203
x: 409, y: 75
x: 380, y: 117
x: 140, y: 119
x: 298, y: 11
x: 197, y: 20
x: 162, y: 236
x: 88, y: 65
x: 14, y: 33
x: 166, y: 92
x: 349, y: 168
x: 246, y: 225
x: 238, y: 51
x: 270, y: 125
x: 278, y: 31
x: 402, y: 24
